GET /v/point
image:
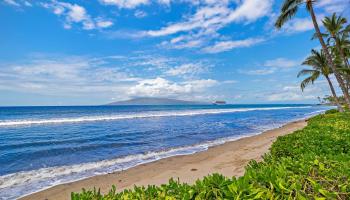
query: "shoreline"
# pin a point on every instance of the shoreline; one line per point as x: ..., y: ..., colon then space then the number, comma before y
x: 228, y: 159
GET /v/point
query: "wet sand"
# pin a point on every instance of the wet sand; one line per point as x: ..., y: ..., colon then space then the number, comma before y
x: 228, y: 159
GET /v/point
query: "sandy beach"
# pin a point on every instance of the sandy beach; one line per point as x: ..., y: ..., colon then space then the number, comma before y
x: 228, y: 159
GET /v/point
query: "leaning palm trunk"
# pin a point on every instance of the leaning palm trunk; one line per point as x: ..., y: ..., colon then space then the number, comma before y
x: 342, y: 54
x: 341, y: 51
x: 329, y: 58
x: 340, y: 108
x: 345, y: 61
x: 347, y: 66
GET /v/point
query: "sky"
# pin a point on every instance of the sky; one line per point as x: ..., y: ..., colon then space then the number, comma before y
x: 93, y: 52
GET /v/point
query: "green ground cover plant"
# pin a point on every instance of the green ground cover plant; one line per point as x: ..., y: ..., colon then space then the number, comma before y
x: 312, y: 163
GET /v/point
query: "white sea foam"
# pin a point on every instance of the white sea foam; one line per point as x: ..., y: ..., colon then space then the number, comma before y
x: 134, y: 115
x: 22, y: 183
x: 307, y: 115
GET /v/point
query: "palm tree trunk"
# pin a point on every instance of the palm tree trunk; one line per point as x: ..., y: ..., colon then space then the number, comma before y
x: 344, y: 56
x: 340, y: 108
x: 329, y: 58
x: 341, y: 52
x: 346, y: 62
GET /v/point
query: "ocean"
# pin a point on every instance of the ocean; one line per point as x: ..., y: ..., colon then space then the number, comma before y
x: 45, y: 146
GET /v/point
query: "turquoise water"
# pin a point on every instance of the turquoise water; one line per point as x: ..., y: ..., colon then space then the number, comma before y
x: 46, y: 146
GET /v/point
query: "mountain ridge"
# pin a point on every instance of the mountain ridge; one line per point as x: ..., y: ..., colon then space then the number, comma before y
x: 156, y: 101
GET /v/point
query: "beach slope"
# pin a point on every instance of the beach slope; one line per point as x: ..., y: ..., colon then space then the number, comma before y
x: 228, y: 159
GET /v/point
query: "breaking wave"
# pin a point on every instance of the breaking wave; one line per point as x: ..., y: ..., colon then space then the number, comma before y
x: 133, y: 116
x: 23, y: 183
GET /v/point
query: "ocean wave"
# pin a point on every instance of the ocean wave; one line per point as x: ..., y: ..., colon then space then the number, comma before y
x: 22, y: 183
x: 135, y: 115
x: 307, y: 115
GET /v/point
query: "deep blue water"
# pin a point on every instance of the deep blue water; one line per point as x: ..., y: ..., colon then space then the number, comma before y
x: 44, y: 146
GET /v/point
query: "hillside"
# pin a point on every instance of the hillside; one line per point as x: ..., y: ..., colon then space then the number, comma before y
x: 156, y: 101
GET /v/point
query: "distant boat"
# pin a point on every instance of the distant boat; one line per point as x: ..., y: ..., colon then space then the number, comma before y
x: 219, y: 102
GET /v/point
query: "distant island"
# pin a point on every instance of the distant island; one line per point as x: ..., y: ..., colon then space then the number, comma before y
x: 156, y: 101
x: 219, y: 102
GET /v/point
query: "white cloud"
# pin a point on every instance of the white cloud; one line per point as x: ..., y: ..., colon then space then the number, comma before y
x: 160, y: 87
x: 251, y: 10
x: 102, y: 23
x: 289, y: 96
x: 228, y: 45
x: 216, y: 15
x: 27, y: 3
x: 189, y: 69
x: 140, y: 14
x: 74, y: 13
x: 171, y: 67
x: 186, y: 44
x: 165, y: 2
x: 129, y: 4
x: 105, y: 77
x: 200, y: 28
x: 205, y: 17
x: 191, y: 40
x: 154, y: 62
x: 63, y: 76
x: 281, y: 63
x: 272, y: 66
x: 18, y: 3
x: 331, y: 6
x: 229, y: 82
x: 298, y: 25
x: 258, y: 71
x: 12, y: 2
x: 292, y: 93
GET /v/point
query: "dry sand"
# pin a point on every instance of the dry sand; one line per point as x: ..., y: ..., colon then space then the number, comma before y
x: 228, y: 159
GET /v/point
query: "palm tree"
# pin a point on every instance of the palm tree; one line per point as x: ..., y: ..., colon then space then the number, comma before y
x: 288, y: 10
x: 337, y: 33
x: 344, y: 46
x: 339, y: 49
x: 340, y: 55
x: 318, y: 62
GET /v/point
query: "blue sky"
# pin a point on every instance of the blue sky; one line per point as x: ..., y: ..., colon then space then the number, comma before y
x: 59, y: 52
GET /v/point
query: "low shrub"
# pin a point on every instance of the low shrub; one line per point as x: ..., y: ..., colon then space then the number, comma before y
x: 333, y: 111
x: 312, y: 163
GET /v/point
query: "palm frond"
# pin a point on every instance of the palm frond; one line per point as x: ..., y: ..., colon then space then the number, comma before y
x: 344, y: 70
x: 315, y: 36
x: 306, y: 82
x: 334, y: 24
x: 310, y: 80
x: 318, y: 61
x: 347, y: 29
x: 288, y: 4
x: 285, y: 16
x: 306, y: 72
